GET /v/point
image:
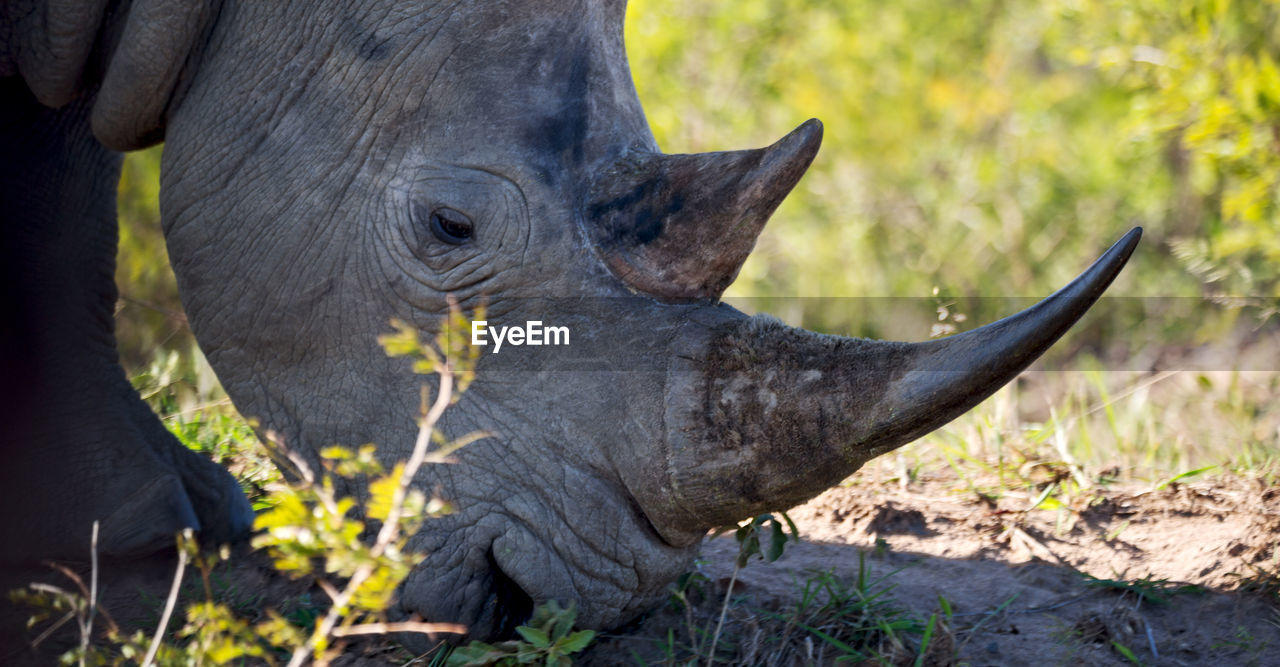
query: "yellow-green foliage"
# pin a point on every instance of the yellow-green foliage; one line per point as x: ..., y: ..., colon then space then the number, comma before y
x: 1204, y: 78
x: 309, y: 529
x: 987, y: 147
x: 149, y: 313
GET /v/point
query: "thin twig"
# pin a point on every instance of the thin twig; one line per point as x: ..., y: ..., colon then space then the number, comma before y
x: 168, y: 608
x: 328, y: 588
x: 391, y: 526
x: 724, y: 610
x: 84, y: 590
x: 403, y: 626
x: 51, y: 629
x: 86, y: 628
x: 41, y: 587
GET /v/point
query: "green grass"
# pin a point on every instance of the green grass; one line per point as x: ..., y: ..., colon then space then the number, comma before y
x: 184, y: 392
x: 1054, y: 438
x: 851, y: 621
x: 832, y: 620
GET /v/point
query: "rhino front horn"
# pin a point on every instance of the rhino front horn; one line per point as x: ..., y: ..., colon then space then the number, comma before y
x: 762, y: 416
x: 679, y: 227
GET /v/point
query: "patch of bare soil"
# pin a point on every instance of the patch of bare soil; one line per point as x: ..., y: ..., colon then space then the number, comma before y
x: 1186, y: 575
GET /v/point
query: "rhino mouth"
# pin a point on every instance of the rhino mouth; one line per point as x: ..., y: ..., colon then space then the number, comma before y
x: 509, y: 606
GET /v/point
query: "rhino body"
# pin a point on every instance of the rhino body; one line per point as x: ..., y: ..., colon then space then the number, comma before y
x: 330, y: 166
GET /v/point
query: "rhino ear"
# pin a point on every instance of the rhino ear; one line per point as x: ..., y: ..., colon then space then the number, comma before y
x: 145, y: 71
x: 679, y: 227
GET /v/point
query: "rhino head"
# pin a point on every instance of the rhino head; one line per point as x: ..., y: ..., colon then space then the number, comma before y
x: 331, y: 167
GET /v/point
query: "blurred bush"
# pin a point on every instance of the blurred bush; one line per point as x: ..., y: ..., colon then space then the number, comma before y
x: 151, y: 328
x: 149, y: 313
x: 984, y: 147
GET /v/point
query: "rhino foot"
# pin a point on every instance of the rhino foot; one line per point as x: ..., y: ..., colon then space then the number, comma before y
x: 121, y: 468
x: 146, y: 520
x: 201, y: 495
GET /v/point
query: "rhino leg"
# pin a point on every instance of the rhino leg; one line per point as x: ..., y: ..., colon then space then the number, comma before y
x: 77, y: 444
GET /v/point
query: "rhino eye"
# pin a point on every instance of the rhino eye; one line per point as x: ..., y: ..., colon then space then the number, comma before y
x: 450, y: 226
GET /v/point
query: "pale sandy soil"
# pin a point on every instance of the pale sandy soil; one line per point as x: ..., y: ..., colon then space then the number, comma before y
x: 934, y: 538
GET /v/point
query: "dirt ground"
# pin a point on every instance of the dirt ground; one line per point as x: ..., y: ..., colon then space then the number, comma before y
x: 1204, y: 556
x: 1207, y: 552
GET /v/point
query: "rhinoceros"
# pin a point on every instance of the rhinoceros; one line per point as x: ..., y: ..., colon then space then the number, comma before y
x: 330, y: 166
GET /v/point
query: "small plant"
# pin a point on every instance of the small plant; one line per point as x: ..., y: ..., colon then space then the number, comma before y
x: 833, y: 620
x: 762, y: 536
x: 194, y: 409
x: 548, y: 638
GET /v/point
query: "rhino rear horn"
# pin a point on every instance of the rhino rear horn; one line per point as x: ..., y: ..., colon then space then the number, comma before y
x: 679, y: 227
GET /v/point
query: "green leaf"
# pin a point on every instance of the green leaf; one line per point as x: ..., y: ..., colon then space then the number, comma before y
x: 576, y: 641
x: 475, y: 653
x: 791, y: 525
x: 1044, y: 495
x: 777, y: 542
x: 534, y: 636
x: 562, y: 622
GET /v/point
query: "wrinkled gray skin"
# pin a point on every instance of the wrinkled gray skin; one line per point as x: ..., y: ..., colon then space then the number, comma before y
x: 307, y: 145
